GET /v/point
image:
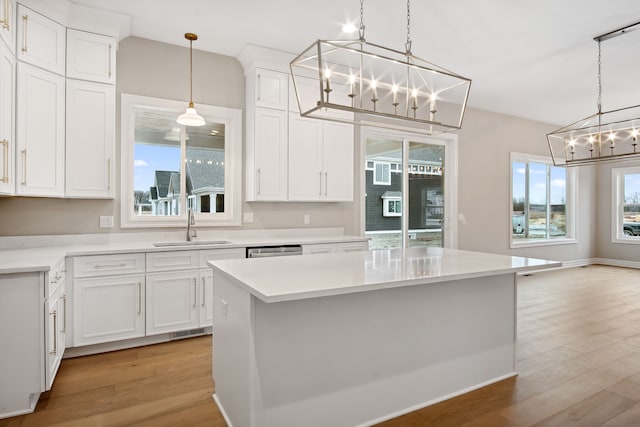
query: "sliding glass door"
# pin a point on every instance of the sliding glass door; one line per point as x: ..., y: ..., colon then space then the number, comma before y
x: 405, y: 192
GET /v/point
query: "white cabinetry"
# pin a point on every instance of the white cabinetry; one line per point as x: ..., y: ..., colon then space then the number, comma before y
x: 180, y: 289
x: 266, y: 169
x: 7, y: 120
x: 8, y: 22
x: 40, y: 132
x: 108, y: 299
x: 90, y: 139
x: 56, y: 322
x: 91, y: 57
x: 22, y: 371
x: 320, y: 160
x: 41, y: 41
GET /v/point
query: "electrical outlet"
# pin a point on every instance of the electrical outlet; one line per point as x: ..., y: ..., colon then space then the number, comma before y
x: 106, y: 221
x: 247, y: 217
x: 225, y: 307
x: 307, y: 219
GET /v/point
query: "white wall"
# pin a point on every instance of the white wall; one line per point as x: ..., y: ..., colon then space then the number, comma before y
x: 485, y: 142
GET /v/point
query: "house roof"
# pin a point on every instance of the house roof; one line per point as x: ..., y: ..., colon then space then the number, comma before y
x: 205, y: 168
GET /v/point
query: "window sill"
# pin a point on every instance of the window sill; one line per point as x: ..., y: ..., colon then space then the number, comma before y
x: 627, y: 240
x: 542, y: 242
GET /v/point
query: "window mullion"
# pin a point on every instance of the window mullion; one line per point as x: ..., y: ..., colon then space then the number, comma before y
x: 526, y: 201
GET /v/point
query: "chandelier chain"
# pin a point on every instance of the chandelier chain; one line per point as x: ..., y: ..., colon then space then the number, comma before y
x: 361, y: 31
x: 407, y: 46
x: 599, y: 78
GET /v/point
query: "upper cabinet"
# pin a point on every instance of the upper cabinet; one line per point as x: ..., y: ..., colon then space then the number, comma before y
x: 271, y: 89
x: 7, y: 121
x: 8, y: 23
x: 41, y: 41
x: 91, y: 57
x: 41, y: 132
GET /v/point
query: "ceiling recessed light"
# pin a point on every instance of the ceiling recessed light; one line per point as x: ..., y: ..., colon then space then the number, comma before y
x: 349, y: 28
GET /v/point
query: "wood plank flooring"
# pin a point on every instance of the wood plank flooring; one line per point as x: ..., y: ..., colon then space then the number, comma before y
x: 578, y: 358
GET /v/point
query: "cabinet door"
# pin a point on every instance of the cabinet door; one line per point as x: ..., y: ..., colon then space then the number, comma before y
x: 338, y: 162
x: 7, y: 121
x: 206, y: 297
x: 271, y: 89
x: 90, y: 142
x: 305, y: 158
x: 270, y: 153
x: 56, y: 335
x: 40, y: 132
x: 108, y: 309
x: 8, y: 23
x: 41, y: 41
x: 91, y: 57
x: 319, y: 248
x: 172, y: 301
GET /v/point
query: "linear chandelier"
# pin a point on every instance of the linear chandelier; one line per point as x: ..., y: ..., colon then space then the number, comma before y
x: 603, y: 136
x: 357, y: 82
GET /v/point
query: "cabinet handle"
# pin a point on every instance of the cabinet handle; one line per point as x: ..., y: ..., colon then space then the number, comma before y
x: 259, y: 177
x: 326, y: 182
x: 139, y: 297
x: 195, y: 292
x: 25, y: 19
x: 109, y: 60
x: 110, y: 265
x: 24, y: 167
x: 5, y: 21
x: 55, y: 334
x: 203, y: 294
x: 5, y: 172
x: 64, y: 313
x: 320, y: 177
x: 109, y: 172
x: 259, y: 88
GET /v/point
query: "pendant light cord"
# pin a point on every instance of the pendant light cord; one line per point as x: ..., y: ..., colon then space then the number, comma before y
x: 599, y: 79
x: 361, y: 30
x: 407, y: 45
x: 190, y: 73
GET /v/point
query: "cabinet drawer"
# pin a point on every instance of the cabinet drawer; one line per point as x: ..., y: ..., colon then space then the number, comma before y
x: 108, y: 265
x: 177, y: 260
x: 213, y: 254
x: 352, y: 247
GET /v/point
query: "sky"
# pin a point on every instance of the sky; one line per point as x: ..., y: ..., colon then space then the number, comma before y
x: 538, y: 183
x: 632, y: 188
x: 148, y: 158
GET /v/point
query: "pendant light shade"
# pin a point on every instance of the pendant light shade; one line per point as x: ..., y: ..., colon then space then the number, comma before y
x: 191, y: 116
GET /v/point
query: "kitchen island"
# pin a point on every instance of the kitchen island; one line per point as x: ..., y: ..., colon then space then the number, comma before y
x: 356, y: 338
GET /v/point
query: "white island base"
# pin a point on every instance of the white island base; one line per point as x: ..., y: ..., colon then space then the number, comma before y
x: 369, y: 352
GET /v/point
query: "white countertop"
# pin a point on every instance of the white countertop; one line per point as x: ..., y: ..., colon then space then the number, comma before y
x: 291, y: 278
x: 54, y: 248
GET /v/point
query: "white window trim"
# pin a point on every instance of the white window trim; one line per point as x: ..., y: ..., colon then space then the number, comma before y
x: 570, y: 203
x: 617, y: 202
x: 378, y: 182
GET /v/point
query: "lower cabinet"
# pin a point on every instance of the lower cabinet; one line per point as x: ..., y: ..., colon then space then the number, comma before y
x: 172, y: 301
x: 56, y: 332
x: 108, y: 309
x: 325, y: 248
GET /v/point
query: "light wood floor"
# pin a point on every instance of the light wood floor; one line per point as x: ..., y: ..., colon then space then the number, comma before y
x: 578, y: 358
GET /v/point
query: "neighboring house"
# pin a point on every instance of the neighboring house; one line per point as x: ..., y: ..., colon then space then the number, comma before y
x: 205, y: 184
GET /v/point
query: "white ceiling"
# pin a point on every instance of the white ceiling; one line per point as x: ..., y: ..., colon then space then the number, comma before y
x: 529, y: 59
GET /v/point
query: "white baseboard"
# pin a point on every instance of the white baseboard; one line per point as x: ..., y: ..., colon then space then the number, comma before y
x: 616, y: 262
x: 222, y: 411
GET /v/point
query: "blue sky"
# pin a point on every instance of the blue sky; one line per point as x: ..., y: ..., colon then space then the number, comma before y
x: 538, y: 183
x: 632, y: 188
x: 148, y: 158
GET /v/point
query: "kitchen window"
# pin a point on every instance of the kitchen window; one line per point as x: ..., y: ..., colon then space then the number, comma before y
x: 542, y: 201
x: 168, y: 168
x: 625, y: 194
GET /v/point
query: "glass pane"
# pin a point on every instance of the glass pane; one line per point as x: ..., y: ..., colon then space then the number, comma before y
x: 558, y: 206
x: 426, y: 194
x: 156, y: 168
x: 518, y: 225
x: 385, y: 231
x: 537, y: 201
x: 204, y: 166
x: 631, y: 211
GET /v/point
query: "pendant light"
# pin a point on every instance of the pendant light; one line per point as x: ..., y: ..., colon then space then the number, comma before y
x: 191, y: 116
x: 357, y: 82
x: 604, y: 136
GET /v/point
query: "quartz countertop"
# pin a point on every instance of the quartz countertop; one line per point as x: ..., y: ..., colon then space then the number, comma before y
x: 43, y: 258
x: 290, y: 278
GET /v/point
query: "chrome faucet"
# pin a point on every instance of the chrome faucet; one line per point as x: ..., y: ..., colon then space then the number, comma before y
x: 191, y: 220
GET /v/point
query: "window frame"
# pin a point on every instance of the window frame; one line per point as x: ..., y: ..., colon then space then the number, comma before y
x: 377, y: 181
x: 570, y: 203
x: 617, y: 205
x: 232, y: 120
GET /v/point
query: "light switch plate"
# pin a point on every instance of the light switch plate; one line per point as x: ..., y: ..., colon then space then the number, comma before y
x: 106, y: 221
x: 247, y: 217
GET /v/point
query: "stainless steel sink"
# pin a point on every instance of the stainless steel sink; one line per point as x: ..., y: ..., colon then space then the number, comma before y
x: 192, y: 243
